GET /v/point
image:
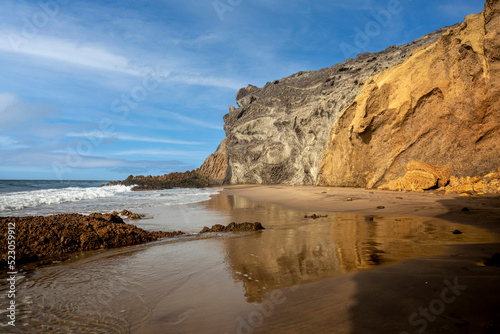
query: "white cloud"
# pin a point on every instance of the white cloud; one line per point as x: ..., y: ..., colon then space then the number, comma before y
x: 126, y: 137
x: 190, y: 120
x: 6, y: 100
x: 67, y: 51
x: 15, y: 111
x: 8, y: 143
x: 176, y: 153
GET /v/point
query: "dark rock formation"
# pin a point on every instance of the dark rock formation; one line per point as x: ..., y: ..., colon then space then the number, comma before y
x: 279, y: 132
x: 234, y: 227
x: 315, y: 216
x: 55, y: 237
x: 440, y: 106
x: 210, y: 173
x: 189, y: 179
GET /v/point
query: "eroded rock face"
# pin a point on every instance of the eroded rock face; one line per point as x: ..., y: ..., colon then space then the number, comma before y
x: 279, y: 132
x: 54, y: 237
x: 214, y: 167
x: 441, y: 106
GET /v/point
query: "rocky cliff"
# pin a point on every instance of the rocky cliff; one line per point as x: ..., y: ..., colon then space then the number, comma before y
x: 278, y: 133
x: 440, y: 106
x: 214, y: 167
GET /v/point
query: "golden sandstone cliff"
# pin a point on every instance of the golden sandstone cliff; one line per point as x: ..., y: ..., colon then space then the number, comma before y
x: 440, y: 106
x: 215, y: 165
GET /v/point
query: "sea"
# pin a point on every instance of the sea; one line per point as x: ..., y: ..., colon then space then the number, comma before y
x: 48, y: 197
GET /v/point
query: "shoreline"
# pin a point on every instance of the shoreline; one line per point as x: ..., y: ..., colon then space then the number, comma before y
x: 297, y: 276
x: 480, y: 211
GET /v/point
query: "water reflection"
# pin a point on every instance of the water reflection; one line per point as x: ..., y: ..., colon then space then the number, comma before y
x: 204, y: 285
x: 294, y: 250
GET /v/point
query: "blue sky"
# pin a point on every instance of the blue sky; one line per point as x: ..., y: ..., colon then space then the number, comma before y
x: 105, y: 89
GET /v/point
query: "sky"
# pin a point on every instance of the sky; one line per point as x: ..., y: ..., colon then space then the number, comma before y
x: 100, y: 90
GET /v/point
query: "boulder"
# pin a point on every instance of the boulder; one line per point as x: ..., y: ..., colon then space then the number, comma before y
x: 420, y: 176
x: 234, y: 227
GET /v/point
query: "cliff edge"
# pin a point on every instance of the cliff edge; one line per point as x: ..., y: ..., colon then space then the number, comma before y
x: 440, y: 106
x: 278, y: 133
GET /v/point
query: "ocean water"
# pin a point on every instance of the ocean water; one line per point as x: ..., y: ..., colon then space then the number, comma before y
x: 29, y: 197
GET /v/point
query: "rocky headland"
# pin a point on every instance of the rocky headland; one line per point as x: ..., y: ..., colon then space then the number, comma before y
x: 210, y: 173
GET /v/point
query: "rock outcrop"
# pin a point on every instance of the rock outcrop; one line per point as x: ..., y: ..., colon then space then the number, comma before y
x: 477, y: 185
x: 55, y: 237
x: 188, y: 179
x: 441, y: 106
x: 234, y: 227
x: 420, y: 176
x: 278, y: 133
x: 214, y: 167
x: 210, y: 173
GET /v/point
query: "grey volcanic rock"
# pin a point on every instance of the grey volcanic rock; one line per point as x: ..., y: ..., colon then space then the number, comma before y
x: 279, y: 132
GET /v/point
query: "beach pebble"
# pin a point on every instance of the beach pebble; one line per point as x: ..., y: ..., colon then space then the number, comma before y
x: 349, y: 199
x: 380, y: 207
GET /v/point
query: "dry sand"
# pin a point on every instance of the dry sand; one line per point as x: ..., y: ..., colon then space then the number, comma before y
x: 451, y: 292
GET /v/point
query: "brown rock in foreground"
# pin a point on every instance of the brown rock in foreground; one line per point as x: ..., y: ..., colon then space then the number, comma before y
x: 420, y: 176
x: 55, y: 237
x: 440, y: 106
x: 234, y: 227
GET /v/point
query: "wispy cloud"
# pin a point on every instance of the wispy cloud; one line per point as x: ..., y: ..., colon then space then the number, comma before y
x: 61, y: 50
x: 157, y: 153
x: 190, y: 120
x: 8, y: 143
x: 14, y: 110
x: 125, y: 137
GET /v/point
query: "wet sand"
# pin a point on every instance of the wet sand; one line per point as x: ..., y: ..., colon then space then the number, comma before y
x: 339, y: 274
x: 448, y: 292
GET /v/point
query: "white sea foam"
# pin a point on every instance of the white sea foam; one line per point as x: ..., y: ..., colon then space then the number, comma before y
x: 95, y: 199
x: 30, y: 199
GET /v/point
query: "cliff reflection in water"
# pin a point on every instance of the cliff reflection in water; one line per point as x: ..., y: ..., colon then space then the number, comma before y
x: 294, y: 250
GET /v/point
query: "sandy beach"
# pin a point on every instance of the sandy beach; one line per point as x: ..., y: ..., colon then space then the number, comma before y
x: 401, y: 271
x: 412, y: 296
